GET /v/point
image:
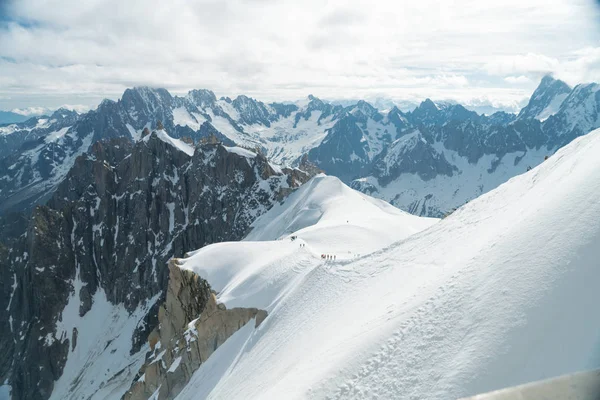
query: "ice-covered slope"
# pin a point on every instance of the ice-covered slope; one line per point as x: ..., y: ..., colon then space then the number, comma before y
x: 336, y: 219
x: 450, y: 179
x: 500, y: 293
x: 325, y: 217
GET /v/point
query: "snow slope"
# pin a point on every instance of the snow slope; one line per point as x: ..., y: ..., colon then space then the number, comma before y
x: 327, y: 217
x: 178, y: 144
x: 100, y: 365
x: 333, y: 218
x: 435, y: 196
x: 495, y: 295
x: 552, y: 108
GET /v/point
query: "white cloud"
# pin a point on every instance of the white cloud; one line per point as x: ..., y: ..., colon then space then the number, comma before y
x: 521, y: 79
x: 283, y: 49
x: 521, y: 64
x: 79, y: 108
x: 30, y: 111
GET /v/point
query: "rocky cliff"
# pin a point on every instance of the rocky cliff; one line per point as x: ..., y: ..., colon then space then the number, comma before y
x: 191, y: 326
x: 86, y: 279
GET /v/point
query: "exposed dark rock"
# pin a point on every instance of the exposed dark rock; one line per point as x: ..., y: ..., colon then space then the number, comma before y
x: 191, y: 327
x: 343, y: 152
x: 112, y: 224
x: 549, y: 91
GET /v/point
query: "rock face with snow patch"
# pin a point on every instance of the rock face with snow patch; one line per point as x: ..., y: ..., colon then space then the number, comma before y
x: 99, y: 251
x: 352, y: 142
x: 546, y: 99
x: 462, y: 155
x: 191, y: 326
x: 13, y: 136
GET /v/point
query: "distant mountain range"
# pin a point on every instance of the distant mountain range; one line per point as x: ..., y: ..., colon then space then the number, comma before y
x: 93, y: 205
x: 9, y: 117
x: 427, y: 161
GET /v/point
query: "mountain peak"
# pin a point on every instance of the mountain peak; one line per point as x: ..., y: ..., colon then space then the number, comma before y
x: 426, y: 112
x: 549, y: 81
x: 161, y: 134
x: 145, y: 95
x: 147, y: 90
x: 546, y: 99
x: 202, y: 97
x: 63, y: 113
x: 365, y: 108
x: 428, y: 104
x: 395, y: 110
x: 314, y: 100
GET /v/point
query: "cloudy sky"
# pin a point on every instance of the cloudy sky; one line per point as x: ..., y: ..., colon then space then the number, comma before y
x: 56, y: 52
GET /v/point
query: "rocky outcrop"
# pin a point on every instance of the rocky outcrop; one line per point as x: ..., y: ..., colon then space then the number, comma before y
x: 191, y: 327
x: 122, y: 212
x: 546, y: 99
x: 343, y: 152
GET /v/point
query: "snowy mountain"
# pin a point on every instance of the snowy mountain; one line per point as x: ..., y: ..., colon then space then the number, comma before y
x: 258, y: 273
x: 37, y: 156
x: 406, y: 310
x: 459, y: 156
x: 13, y: 136
x: 432, y: 169
x: 82, y: 283
x: 579, y: 113
x: 546, y: 99
x: 429, y: 113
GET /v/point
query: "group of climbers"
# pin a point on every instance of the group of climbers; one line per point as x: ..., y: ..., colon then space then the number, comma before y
x: 323, y: 256
x: 529, y: 166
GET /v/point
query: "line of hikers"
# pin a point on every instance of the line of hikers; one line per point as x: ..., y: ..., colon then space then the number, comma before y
x: 323, y: 256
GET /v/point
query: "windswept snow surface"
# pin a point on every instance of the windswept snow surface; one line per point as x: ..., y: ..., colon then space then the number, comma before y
x: 335, y: 219
x: 552, y: 108
x: 326, y: 216
x: 178, y: 144
x: 241, y: 151
x: 500, y: 293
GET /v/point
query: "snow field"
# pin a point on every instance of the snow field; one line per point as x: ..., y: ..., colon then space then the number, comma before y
x: 495, y: 295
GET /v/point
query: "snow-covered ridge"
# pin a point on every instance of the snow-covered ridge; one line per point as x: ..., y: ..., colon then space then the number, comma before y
x: 495, y: 295
x: 240, y: 151
x: 325, y: 203
x: 325, y: 217
x: 178, y: 144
